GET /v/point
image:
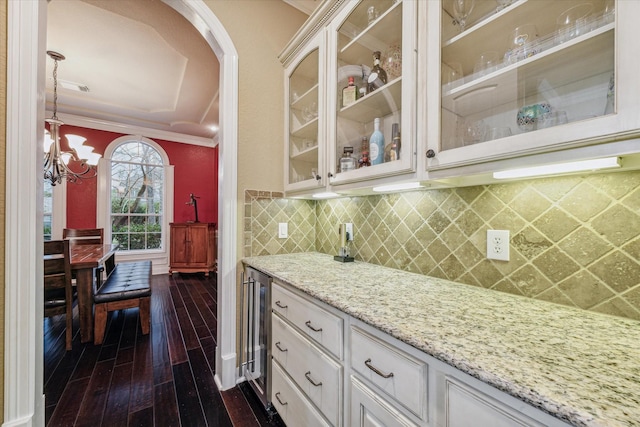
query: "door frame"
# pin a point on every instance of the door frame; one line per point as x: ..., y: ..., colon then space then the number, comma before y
x: 23, y: 323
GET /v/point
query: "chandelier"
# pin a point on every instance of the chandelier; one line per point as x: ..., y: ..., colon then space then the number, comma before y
x: 56, y: 161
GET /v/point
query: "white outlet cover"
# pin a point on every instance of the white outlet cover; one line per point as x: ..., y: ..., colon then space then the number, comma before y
x: 283, y: 230
x: 498, y: 245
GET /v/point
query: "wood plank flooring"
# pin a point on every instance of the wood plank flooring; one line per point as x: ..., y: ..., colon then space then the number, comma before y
x: 161, y: 379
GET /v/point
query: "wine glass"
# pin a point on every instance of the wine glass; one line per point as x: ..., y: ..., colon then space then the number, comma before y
x: 461, y: 11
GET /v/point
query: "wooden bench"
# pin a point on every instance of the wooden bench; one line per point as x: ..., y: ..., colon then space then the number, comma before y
x: 127, y: 285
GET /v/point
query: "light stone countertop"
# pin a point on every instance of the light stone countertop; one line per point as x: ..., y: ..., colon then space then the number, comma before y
x: 579, y: 366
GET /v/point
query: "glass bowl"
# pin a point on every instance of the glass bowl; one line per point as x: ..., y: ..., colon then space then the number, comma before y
x: 528, y: 117
x: 568, y: 22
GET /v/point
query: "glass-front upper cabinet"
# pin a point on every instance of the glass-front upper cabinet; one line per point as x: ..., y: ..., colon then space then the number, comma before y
x: 371, y: 100
x: 303, y: 89
x: 526, y: 76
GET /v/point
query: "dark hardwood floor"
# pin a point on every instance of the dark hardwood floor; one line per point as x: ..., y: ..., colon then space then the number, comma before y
x: 161, y: 379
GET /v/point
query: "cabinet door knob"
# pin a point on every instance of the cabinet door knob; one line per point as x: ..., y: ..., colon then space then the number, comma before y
x: 330, y: 175
x: 376, y: 370
x: 279, y: 304
x: 280, y: 347
x: 431, y: 154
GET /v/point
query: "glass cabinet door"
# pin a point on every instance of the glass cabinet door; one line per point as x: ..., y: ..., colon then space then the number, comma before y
x: 517, y: 75
x: 302, y: 94
x: 372, y: 76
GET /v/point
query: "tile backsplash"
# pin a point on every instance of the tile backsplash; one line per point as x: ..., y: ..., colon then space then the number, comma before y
x: 574, y: 240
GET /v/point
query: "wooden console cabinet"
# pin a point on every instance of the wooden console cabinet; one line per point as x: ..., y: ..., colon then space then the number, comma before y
x: 193, y: 247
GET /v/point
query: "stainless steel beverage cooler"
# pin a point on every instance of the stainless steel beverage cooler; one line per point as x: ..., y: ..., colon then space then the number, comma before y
x: 255, y: 334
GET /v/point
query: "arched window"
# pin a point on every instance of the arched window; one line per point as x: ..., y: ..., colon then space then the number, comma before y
x: 137, y: 202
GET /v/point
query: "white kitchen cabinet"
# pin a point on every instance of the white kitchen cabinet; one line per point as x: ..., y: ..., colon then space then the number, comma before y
x: 550, y: 87
x: 315, y: 373
x: 304, y: 155
x: 381, y: 381
x: 307, y: 343
x: 355, y: 33
x: 338, y: 42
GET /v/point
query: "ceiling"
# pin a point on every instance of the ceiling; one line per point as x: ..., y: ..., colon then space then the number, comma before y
x: 144, y: 65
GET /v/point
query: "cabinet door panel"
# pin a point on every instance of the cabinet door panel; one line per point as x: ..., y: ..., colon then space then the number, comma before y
x: 547, y: 88
x: 292, y: 406
x: 466, y: 406
x: 198, y: 241
x: 179, y: 245
x: 369, y: 410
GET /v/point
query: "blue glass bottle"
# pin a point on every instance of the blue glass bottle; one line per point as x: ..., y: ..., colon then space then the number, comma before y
x: 376, y: 144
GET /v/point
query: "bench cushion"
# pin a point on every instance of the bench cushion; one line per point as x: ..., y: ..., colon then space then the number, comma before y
x: 128, y: 280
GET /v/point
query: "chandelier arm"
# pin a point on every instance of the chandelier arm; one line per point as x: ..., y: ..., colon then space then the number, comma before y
x: 55, y: 168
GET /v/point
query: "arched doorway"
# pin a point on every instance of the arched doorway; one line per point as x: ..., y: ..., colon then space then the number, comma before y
x: 26, y: 35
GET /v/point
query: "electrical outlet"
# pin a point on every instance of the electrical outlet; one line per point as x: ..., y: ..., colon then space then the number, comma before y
x: 498, y: 244
x: 283, y: 230
x: 349, y: 229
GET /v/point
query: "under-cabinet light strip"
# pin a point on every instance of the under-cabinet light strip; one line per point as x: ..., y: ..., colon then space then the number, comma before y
x: 583, y: 165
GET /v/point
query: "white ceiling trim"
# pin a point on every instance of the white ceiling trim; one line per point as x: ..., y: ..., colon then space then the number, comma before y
x: 90, y: 123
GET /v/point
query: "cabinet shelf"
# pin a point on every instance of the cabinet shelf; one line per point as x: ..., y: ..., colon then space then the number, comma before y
x: 489, y: 14
x: 374, y: 37
x: 306, y: 98
x: 572, y: 61
x: 466, y: 47
x: 380, y: 103
x: 307, y: 155
x: 306, y: 130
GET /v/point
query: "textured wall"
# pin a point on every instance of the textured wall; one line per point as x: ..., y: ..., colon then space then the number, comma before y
x: 574, y: 240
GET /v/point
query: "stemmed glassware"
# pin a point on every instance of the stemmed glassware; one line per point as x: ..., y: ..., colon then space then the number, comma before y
x: 461, y: 11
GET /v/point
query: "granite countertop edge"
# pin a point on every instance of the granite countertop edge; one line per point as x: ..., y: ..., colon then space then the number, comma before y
x: 573, y: 406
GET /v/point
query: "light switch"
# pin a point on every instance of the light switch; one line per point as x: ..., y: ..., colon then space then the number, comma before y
x: 283, y: 230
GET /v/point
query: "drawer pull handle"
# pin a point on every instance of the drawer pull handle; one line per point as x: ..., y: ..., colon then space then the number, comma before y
x: 308, y: 377
x: 279, y: 304
x: 308, y: 323
x: 281, y: 402
x: 376, y: 370
x: 280, y: 348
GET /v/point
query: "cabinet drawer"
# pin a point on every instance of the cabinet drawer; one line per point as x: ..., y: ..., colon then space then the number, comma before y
x: 319, y: 377
x: 313, y: 321
x: 396, y: 373
x: 370, y: 409
x: 292, y: 406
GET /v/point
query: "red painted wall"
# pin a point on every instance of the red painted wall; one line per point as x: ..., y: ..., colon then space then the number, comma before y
x: 195, y: 171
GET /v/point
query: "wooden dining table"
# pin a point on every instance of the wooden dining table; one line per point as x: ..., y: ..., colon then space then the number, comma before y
x: 84, y: 259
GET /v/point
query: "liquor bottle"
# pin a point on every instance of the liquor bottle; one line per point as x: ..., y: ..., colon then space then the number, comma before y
x: 364, y: 155
x: 377, y: 77
x: 394, y: 154
x: 347, y: 163
x: 376, y: 144
x: 350, y: 93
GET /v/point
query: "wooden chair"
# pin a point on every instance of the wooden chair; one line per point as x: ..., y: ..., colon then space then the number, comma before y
x: 58, y: 293
x: 84, y: 236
